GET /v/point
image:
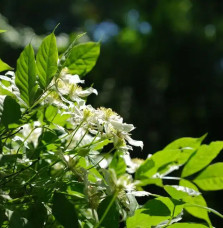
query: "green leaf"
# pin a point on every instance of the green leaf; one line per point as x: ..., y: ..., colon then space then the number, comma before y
x: 37, y: 215
x: 160, y: 159
x: 9, y: 158
x: 46, y: 60
x: 202, y: 157
x: 26, y: 75
x: 180, y: 192
x: 187, y: 225
x: 199, y: 200
x: 154, y: 212
x: 16, y: 220
x: 111, y: 219
x: 83, y: 58
x: 64, y: 211
x: 9, y: 110
x: 1, y: 31
x: 51, y: 112
x: 4, y: 66
x: 186, y: 142
x: 211, y: 178
x: 118, y: 163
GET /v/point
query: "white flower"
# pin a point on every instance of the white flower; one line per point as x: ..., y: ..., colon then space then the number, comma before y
x: 32, y: 133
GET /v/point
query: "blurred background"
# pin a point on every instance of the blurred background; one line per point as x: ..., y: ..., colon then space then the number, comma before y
x: 161, y: 62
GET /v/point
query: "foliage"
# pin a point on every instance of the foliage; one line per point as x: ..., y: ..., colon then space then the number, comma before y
x: 66, y: 164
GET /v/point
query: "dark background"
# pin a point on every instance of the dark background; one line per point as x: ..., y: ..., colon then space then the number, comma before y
x: 161, y: 62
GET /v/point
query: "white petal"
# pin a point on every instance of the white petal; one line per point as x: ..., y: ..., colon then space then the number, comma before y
x: 134, y: 142
x: 122, y: 126
x: 140, y: 193
x: 87, y: 92
x: 72, y: 79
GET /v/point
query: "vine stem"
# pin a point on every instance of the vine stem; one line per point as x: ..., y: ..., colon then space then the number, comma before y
x: 107, y: 210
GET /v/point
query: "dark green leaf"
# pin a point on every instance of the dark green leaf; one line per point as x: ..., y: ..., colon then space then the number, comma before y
x: 202, y: 157
x: 16, y: 220
x: 46, y: 60
x: 111, y: 220
x: 4, y: 66
x: 64, y: 211
x: 9, y: 110
x: 26, y: 75
x: 37, y: 215
x: 82, y: 58
x: 211, y: 178
x: 9, y: 158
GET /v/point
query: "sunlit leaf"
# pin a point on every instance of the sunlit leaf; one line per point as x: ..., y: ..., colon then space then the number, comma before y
x: 156, y: 161
x: 1, y: 31
x: 202, y: 157
x: 187, y: 225
x: 46, y: 60
x: 4, y: 66
x: 186, y: 142
x: 153, y: 213
x: 83, y: 58
x: 26, y: 75
x: 199, y: 200
x: 118, y: 163
x: 180, y: 192
x: 211, y: 178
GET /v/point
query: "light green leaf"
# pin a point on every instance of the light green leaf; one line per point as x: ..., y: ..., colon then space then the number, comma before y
x: 180, y: 192
x: 46, y: 60
x: 211, y: 178
x: 51, y: 112
x: 1, y: 31
x: 26, y: 75
x: 9, y: 110
x: 83, y: 58
x: 154, y: 212
x: 199, y: 200
x: 118, y: 164
x: 4, y: 66
x: 187, y: 225
x: 156, y: 161
x: 64, y: 211
x: 186, y: 142
x: 202, y: 157
x: 100, y: 145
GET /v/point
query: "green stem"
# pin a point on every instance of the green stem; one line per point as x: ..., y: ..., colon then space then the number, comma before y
x: 101, y: 159
x: 107, y: 210
x: 207, y: 208
x: 75, y: 131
